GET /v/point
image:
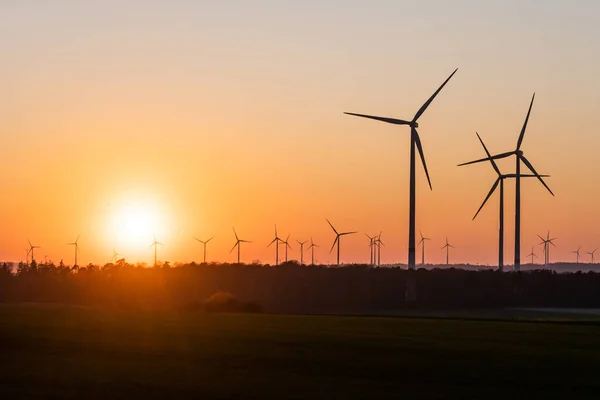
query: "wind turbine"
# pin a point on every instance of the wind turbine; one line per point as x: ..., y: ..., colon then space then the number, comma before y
x: 301, y: 250
x: 31, y: 248
x: 287, y: 246
x: 379, y: 243
x: 422, y: 244
x: 415, y: 141
x: 519, y: 158
x: 547, y: 242
x: 447, y: 247
x: 499, y: 181
x: 577, y: 253
x: 532, y: 255
x: 276, y: 240
x: 238, y: 244
x: 337, y: 240
x: 371, y: 249
x: 312, y: 249
x: 204, y: 242
x: 155, y: 244
x: 591, y: 253
x: 115, y: 255
x: 76, y: 244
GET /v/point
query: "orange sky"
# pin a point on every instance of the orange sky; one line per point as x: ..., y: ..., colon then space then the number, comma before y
x: 207, y: 119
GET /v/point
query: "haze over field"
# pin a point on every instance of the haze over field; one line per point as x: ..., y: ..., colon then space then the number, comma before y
x: 118, y: 121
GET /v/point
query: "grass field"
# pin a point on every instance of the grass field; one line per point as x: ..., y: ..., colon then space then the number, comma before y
x: 70, y: 352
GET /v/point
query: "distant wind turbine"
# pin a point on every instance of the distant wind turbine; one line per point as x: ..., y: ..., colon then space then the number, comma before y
x: 422, y: 244
x: 155, y: 244
x: 371, y: 249
x: 276, y: 240
x: 447, y: 247
x: 532, y: 255
x: 591, y: 253
x: 76, y: 244
x: 519, y: 158
x: 204, y: 243
x: 115, y: 255
x: 415, y: 141
x: 312, y: 249
x: 547, y: 242
x: 499, y: 181
x: 337, y: 240
x: 31, y: 248
x: 577, y: 253
x: 287, y: 246
x: 301, y: 250
x: 238, y: 244
x: 379, y: 243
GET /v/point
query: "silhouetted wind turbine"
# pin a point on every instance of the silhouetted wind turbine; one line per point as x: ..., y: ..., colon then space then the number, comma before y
x: 31, y: 248
x: 577, y: 253
x: 204, y: 242
x: 519, y: 157
x: 301, y: 250
x: 371, y: 249
x: 532, y: 255
x: 499, y: 181
x: 276, y: 240
x: 337, y: 240
x: 27, y: 250
x: 287, y: 246
x: 547, y: 242
x: 76, y: 244
x: 379, y: 244
x: 155, y: 244
x: 591, y: 253
x: 415, y: 141
x: 312, y: 249
x: 422, y: 244
x: 115, y: 255
x: 447, y: 247
x: 237, y: 244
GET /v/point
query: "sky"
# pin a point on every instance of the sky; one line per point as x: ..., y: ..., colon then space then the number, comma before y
x: 120, y: 119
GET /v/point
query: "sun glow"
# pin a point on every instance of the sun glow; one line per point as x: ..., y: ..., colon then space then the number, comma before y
x: 134, y: 224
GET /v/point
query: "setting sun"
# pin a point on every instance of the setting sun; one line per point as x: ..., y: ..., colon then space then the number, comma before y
x: 134, y: 223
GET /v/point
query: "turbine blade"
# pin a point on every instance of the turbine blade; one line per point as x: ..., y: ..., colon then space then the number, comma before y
x: 420, y: 148
x: 209, y: 239
x: 428, y: 102
x: 236, y: 236
x: 272, y: 241
x: 525, y: 124
x: 489, y: 155
x: 526, y: 162
x: 496, y: 157
x: 383, y: 119
x: 336, y: 232
x: 348, y: 233
x: 494, y: 186
x: 333, y: 245
x: 234, y: 246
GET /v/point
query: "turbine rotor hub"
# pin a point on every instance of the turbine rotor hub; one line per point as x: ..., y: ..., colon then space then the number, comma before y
x: 520, y: 153
x: 414, y: 124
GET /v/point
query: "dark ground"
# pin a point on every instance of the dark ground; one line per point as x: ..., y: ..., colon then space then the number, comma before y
x: 85, y: 353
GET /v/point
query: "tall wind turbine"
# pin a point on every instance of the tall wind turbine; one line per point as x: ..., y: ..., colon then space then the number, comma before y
x: 415, y: 141
x: 287, y: 246
x: 155, y: 244
x: 204, y: 242
x: 519, y: 158
x: 532, y: 255
x: 276, y: 240
x: 422, y: 244
x: 338, y: 237
x: 547, y: 242
x: 312, y: 249
x: 238, y: 244
x: 115, y: 255
x: 577, y: 253
x: 447, y: 247
x: 499, y: 181
x: 371, y: 249
x: 591, y: 253
x: 31, y: 248
x: 301, y: 250
x: 76, y: 244
x: 379, y: 243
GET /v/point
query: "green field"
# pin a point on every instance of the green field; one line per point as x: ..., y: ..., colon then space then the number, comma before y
x: 70, y: 352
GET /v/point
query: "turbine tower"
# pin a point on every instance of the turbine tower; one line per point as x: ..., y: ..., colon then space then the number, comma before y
x: 338, y: 237
x: 577, y: 253
x: 238, y: 244
x: 591, y: 253
x: 155, y: 244
x: 287, y: 246
x: 76, y: 244
x: 422, y: 244
x: 204, y: 242
x: 547, y: 242
x: 532, y: 255
x: 447, y: 247
x: 415, y: 141
x: 371, y: 249
x: 31, y: 248
x: 312, y: 249
x: 519, y: 158
x: 379, y: 243
x: 301, y: 250
x: 276, y: 240
x: 499, y: 181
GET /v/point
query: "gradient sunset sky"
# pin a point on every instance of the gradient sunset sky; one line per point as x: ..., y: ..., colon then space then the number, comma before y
x: 187, y: 118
